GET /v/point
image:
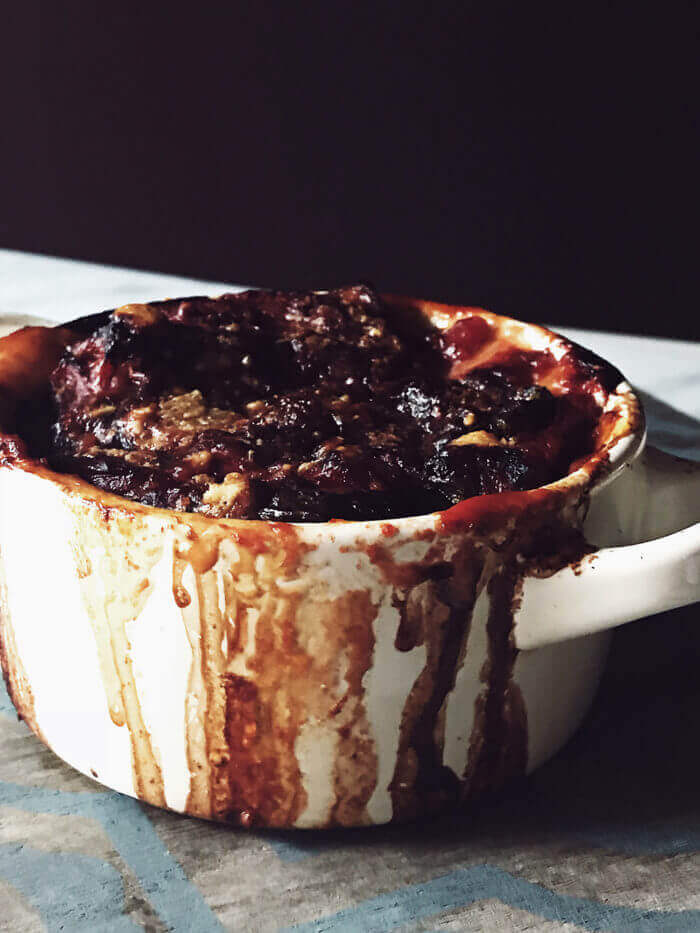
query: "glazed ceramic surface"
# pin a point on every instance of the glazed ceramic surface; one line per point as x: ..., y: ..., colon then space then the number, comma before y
x: 317, y: 675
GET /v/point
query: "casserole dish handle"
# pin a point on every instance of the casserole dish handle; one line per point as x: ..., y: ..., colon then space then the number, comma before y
x: 649, y: 518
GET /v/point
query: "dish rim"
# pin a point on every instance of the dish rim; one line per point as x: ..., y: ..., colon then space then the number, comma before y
x: 621, y: 443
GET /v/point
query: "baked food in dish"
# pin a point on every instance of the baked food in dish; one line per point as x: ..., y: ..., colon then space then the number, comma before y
x: 294, y: 674
x: 313, y: 406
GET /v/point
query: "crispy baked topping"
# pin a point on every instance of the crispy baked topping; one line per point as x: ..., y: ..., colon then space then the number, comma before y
x: 307, y: 406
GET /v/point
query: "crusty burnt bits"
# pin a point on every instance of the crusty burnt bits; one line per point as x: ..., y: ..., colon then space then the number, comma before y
x: 308, y: 406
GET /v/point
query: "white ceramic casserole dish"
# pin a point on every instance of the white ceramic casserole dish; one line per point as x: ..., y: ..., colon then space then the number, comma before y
x: 314, y: 675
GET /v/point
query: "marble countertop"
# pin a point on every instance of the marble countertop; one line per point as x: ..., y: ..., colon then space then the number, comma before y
x: 604, y: 837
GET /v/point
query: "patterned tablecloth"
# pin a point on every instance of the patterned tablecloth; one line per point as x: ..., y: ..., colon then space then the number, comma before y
x: 604, y: 837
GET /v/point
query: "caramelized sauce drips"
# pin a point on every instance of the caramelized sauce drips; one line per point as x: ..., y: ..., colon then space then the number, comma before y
x: 273, y: 656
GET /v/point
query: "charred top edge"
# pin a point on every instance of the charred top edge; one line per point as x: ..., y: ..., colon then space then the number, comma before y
x: 625, y: 422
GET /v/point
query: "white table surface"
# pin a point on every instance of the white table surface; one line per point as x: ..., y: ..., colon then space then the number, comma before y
x: 63, y: 289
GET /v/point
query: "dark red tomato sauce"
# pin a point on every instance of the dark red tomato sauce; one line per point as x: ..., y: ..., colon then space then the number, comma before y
x: 313, y: 406
x: 466, y: 337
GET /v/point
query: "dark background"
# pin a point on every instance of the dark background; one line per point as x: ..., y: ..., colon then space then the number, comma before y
x: 538, y: 159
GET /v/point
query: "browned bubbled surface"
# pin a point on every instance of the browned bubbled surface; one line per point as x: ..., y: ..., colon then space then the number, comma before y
x: 306, y: 407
